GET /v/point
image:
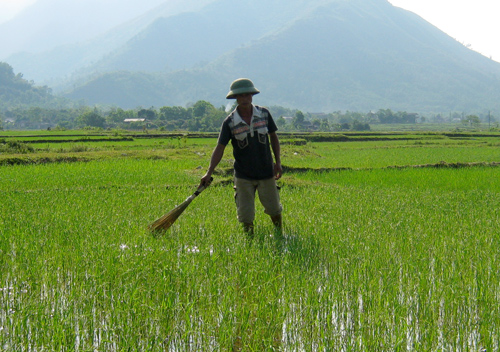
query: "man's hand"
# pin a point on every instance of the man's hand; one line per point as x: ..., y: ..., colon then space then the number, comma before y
x: 216, y: 157
x: 278, y: 171
x: 206, y: 180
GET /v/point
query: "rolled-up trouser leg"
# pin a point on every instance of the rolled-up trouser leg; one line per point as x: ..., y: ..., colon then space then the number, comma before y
x: 269, y: 197
x: 245, y: 199
x: 277, y: 221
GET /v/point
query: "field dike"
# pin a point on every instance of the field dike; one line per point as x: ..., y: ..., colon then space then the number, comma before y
x: 10, y: 161
x: 441, y: 164
x: 42, y: 160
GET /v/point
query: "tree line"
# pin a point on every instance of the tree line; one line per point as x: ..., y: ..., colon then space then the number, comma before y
x: 202, y: 116
x: 26, y: 106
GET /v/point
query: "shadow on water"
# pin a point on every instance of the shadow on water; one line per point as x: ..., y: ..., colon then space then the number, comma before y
x: 294, y: 253
x: 301, y: 250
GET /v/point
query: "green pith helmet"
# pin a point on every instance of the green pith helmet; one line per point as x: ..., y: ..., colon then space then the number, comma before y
x: 241, y: 86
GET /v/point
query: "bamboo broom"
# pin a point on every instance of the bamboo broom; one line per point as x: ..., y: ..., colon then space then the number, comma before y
x: 164, y: 223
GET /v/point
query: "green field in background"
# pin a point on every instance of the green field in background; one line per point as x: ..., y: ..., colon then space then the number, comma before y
x: 388, y: 245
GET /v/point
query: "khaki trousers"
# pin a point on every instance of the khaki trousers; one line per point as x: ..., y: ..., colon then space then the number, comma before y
x: 245, y: 198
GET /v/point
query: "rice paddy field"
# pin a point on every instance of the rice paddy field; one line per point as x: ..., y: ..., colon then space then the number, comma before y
x: 389, y: 244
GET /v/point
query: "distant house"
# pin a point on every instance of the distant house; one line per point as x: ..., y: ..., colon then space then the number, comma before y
x: 134, y: 120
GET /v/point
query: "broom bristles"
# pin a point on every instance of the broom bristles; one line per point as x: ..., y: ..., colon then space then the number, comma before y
x: 164, y: 223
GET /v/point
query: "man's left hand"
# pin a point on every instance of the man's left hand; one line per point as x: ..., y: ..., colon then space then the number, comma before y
x: 278, y: 171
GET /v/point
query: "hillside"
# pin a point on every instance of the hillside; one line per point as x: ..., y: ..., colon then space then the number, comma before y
x: 313, y: 55
x: 192, y: 38
x: 176, y: 35
x: 367, y: 55
x: 17, y: 92
x: 342, y: 55
x: 71, y: 49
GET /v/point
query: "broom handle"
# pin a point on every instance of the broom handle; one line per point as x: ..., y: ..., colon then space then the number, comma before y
x: 202, y: 187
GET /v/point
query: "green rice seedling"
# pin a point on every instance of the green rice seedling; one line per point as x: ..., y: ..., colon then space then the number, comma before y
x: 383, y: 154
x: 370, y: 259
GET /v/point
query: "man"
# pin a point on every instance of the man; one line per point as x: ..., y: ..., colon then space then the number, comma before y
x: 252, y: 132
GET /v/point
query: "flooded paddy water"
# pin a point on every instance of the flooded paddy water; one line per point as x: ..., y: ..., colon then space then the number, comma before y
x: 371, y: 260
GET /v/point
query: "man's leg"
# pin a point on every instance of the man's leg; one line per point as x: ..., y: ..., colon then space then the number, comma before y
x: 277, y: 221
x: 248, y: 229
x: 245, y: 203
x: 270, y: 199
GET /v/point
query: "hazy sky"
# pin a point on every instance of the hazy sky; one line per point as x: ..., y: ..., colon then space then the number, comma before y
x: 8, y: 8
x: 473, y: 22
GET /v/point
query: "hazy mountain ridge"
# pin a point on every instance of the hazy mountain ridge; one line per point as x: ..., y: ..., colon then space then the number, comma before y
x: 367, y: 55
x: 17, y: 92
x: 320, y: 55
x: 175, y: 35
x: 69, y: 61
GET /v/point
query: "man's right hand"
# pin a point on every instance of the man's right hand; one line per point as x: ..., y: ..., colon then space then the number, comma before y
x: 206, y: 180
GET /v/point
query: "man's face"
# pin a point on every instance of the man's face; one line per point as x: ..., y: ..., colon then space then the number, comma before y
x: 244, y: 99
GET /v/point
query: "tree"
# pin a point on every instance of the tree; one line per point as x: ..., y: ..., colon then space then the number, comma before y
x: 148, y: 114
x: 472, y: 120
x: 345, y: 126
x: 280, y: 122
x: 202, y: 108
x: 173, y: 113
x: 92, y: 119
x: 298, y: 120
x: 119, y: 115
x: 359, y: 126
x: 205, y: 117
x: 213, y: 120
x: 316, y: 123
x: 6, y: 74
x: 324, y: 125
x: 385, y: 116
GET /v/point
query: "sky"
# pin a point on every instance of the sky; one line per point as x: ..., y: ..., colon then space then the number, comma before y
x: 475, y: 23
x: 472, y: 22
x: 9, y: 8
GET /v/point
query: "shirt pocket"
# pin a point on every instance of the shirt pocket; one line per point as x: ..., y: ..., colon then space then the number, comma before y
x: 262, y: 134
x: 240, y: 134
x: 242, y: 140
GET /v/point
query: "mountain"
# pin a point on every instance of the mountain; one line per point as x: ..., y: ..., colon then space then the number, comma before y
x: 327, y: 56
x: 314, y: 55
x: 192, y: 38
x: 177, y: 34
x: 367, y: 54
x: 82, y: 38
x: 17, y: 92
